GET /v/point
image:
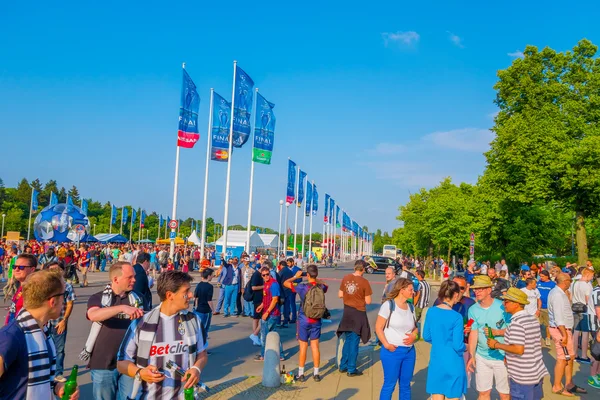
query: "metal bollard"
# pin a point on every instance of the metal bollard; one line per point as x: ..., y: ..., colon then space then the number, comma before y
x: 271, y: 372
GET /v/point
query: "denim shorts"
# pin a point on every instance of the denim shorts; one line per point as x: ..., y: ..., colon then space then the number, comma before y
x: 526, y: 392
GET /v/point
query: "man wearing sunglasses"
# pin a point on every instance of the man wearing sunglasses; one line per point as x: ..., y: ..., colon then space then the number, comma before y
x: 25, y: 265
x: 268, y: 310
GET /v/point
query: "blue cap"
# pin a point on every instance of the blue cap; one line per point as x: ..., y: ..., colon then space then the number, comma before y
x: 567, y: 270
x: 525, y: 268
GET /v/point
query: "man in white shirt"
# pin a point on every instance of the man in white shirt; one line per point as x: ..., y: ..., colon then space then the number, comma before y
x: 533, y: 296
x: 582, y: 291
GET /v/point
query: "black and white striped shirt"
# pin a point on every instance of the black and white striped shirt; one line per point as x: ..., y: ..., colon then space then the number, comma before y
x: 425, y: 291
x: 528, y: 368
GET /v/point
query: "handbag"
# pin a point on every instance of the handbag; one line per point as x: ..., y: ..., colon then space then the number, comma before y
x: 579, y: 308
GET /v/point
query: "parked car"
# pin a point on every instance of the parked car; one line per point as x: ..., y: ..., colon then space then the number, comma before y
x: 379, y: 263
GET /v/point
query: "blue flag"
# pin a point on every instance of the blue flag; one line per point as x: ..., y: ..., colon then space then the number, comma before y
x: 219, y: 143
x: 291, y: 183
x: 187, y: 133
x: 70, y: 201
x: 168, y: 219
x: 331, y: 204
x: 133, y: 215
x: 53, y: 199
x: 301, y: 188
x: 326, y: 213
x: 309, y: 198
x: 113, y: 215
x: 264, y: 131
x: 160, y: 221
x: 315, y: 201
x: 34, y: 200
x: 192, y: 226
x: 337, y: 216
x: 143, y: 217
x: 84, y: 207
x: 124, y: 215
x: 244, y: 90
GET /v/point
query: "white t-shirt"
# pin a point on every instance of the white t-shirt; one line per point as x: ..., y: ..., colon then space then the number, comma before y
x: 532, y: 296
x: 402, y: 323
x: 581, y: 290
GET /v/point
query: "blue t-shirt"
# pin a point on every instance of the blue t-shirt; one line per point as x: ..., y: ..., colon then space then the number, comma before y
x: 496, y: 318
x: 153, y: 257
x: 302, y: 289
x: 545, y: 288
x: 520, y: 284
x: 275, y: 290
x: 13, y: 349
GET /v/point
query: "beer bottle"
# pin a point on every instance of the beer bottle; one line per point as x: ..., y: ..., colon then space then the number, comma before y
x: 489, y: 332
x: 70, y: 384
x: 188, y: 394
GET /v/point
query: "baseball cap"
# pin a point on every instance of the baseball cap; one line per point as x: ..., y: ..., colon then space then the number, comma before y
x: 525, y: 268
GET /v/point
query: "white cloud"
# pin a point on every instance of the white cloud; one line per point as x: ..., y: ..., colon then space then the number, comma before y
x: 406, y: 174
x: 387, y: 149
x: 493, y: 115
x: 400, y: 38
x: 457, y: 40
x: 516, y: 54
x: 467, y: 139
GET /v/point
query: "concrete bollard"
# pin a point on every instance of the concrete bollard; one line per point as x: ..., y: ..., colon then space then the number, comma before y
x: 271, y: 372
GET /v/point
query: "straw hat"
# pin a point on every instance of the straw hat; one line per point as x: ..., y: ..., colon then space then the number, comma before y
x: 516, y: 295
x: 481, y: 281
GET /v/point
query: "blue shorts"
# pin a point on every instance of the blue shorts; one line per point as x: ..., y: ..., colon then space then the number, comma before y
x: 526, y: 392
x: 306, y: 331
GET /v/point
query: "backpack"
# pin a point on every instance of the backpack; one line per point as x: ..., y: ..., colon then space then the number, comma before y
x: 314, y: 303
x: 392, y: 304
x: 248, y: 292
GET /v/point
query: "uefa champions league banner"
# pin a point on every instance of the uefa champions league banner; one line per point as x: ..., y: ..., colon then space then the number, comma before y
x: 301, y: 189
x: 84, y: 207
x: 244, y: 86
x: 124, y: 215
x: 331, y: 204
x: 187, y: 134
x: 264, y: 131
x: 337, y: 216
x: 219, y: 144
x: 326, y: 213
x: 291, y: 183
x: 315, y: 200
x: 113, y: 216
x: 53, y: 199
x: 34, y: 200
x: 309, y: 198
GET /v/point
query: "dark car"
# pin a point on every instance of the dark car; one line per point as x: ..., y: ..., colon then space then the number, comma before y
x: 379, y: 263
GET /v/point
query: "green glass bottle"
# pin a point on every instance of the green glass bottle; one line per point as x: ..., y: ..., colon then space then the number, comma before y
x: 489, y: 330
x: 188, y: 394
x: 71, y: 384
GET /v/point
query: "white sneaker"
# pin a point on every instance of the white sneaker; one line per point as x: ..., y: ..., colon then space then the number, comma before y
x: 60, y: 378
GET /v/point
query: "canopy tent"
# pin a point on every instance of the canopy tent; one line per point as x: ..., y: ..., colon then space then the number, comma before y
x: 236, y: 244
x: 111, y: 238
x: 178, y: 241
x: 87, y: 238
x: 270, y: 241
x: 145, y: 241
x: 194, y: 238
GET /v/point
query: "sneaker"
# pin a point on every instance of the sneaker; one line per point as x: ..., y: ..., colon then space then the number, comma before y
x: 581, y: 360
x: 216, y: 313
x: 60, y: 378
x: 594, y: 381
x: 355, y: 373
x: 225, y: 316
x: 259, y: 358
x: 300, y: 378
x: 317, y: 378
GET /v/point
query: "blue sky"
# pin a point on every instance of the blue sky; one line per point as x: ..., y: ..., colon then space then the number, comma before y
x: 373, y: 100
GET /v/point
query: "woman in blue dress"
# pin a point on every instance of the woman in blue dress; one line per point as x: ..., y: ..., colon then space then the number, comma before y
x: 444, y: 329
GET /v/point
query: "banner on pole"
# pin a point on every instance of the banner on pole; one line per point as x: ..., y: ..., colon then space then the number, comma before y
x: 291, y: 183
x: 337, y: 216
x: 219, y: 144
x: 244, y: 89
x: 143, y: 217
x: 113, y: 215
x: 160, y: 221
x: 264, y: 131
x: 124, y: 215
x: 326, y: 213
x: 84, y: 207
x: 34, y: 200
x: 309, y: 198
x: 53, y: 199
x: 331, y: 204
x: 315, y: 200
x: 187, y: 134
x: 133, y: 215
x: 70, y: 201
x: 301, y: 188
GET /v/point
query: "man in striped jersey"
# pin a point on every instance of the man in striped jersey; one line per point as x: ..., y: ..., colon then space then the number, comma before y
x: 523, y: 348
x: 422, y: 296
x: 167, y: 334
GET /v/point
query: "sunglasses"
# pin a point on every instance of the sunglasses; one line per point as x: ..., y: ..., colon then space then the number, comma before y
x: 266, y: 274
x: 22, y: 267
x: 56, y: 295
x: 462, y: 288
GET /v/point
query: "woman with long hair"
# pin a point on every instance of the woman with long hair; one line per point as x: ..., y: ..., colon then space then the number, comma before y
x: 396, y: 329
x: 446, y: 375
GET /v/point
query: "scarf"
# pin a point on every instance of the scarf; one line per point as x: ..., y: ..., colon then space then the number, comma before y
x: 107, y: 294
x: 41, y: 358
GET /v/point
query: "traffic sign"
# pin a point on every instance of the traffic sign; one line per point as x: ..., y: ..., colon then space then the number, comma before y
x: 472, y: 236
x: 172, y: 235
x: 471, y: 250
x: 173, y: 224
x: 80, y: 229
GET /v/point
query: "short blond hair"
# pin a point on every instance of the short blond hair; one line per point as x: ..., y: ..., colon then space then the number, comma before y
x: 117, y: 269
x: 39, y: 287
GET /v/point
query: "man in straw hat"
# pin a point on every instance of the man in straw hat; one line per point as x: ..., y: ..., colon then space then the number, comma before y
x: 522, y: 345
x: 488, y: 314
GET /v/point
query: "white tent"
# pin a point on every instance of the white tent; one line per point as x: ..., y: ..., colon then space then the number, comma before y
x: 194, y: 238
x: 270, y: 241
x: 238, y: 239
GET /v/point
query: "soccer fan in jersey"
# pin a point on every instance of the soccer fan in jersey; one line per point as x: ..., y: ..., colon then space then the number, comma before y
x: 307, y: 329
x: 168, y: 334
x: 25, y: 265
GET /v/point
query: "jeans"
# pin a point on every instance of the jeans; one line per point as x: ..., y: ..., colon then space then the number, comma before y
x: 221, y: 298
x: 103, y: 265
x: 108, y: 384
x: 289, y: 306
x: 230, y: 293
x: 350, y: 352
x: 266, y: 327
x: 398, y: 366
x: 248, y: 308
x: 59, y: 344
x: 239, y: 301
x: 205, y: 318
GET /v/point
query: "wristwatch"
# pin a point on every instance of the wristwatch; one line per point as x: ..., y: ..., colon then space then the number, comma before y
x: 137, y: 374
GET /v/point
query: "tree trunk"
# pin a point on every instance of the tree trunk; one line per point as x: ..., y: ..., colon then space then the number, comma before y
x: 449, y: 250
x: 581, y: 238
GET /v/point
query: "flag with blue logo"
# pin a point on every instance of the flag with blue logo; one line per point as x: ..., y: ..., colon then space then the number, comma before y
x: 53, y: 199
x: 143, y: 217
x: 192, y: 225
x: 70, y: 201
x: 133, y: 215
x: 309, y: 198
x: 291, y: 183
x: 187, y: 134
x: 264, y: 131
x: 354, y: 228
x: 113, y: 215
x: 34, y: 200
x: 337, y: 216
x: 124, y: 215
x: 84, y: 207
x: 243, y: 92
x: 315, y: 201
x: 219, y: 142
x: 160, y: 221
x: 301, y: 188
x: 326, y: 213
x: 331, y: 204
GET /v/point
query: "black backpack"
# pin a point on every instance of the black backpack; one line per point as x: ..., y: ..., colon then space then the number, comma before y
x: 248, y: 292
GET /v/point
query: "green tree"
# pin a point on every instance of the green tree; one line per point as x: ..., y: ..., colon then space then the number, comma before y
x: 74, y: 195
x: 49, y: 187
x: 2, y: 193
x: 547, y: 143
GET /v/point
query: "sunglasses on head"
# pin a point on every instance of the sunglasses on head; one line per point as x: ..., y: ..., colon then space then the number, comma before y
x: 22, y: 267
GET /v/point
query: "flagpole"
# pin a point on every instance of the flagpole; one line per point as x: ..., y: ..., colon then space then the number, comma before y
x: 279, y: 230
x: 304, y: 224
x: 310, y: 223
x: 158, y: 233
x: 175, y: 189
x: 121, y: 228
x: 333, y: 227
x: 228, y: 181
x: 294, y: 251
x: 166, y: 224
x: 110, y: 222
x: 285, y: 228
x: 131, y: 228
x: 140, y: 232
x: 251, y: 186
x: 205, y: 202
x: 30, y: 210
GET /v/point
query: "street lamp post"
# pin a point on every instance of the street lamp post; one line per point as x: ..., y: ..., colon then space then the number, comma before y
x: 94, y: 229
x: 3, y: 216
x: 279, y: 230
